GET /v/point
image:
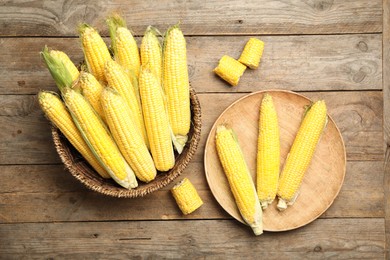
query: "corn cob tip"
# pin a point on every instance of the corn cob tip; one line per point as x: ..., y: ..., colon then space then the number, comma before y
x: 152, y: 30
x: 83, y: 27
x: 257, y: 230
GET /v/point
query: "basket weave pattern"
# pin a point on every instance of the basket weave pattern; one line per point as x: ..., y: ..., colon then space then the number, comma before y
x: 83, y: 172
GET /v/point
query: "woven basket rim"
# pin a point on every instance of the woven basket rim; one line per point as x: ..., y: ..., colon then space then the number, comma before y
x: 84, y: 173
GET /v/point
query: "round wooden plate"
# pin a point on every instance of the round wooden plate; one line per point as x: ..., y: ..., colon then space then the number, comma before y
x: 322, y: 181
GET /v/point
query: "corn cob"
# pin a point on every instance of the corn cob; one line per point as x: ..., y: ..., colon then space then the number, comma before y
x: 301, y: 153
x: 119, y: 80
x: 95, y: 51
x: 92, y: 129
x: 67, y: 62
x: 268, y: 153
x: 156, y: 121
x: 127, y: 136
x: 176, y: 85
x: 57, y: 113
x: 252, y: 53
x: 151, y: 54
x: 186, y: 196
x: 91, y: 90
x: 124, y: 45
x: 239, y: 178
x: 230, y: 70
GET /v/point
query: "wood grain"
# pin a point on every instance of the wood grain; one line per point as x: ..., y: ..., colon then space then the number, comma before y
x: 46, y: 193
x: 60, y: 18
x: 309, y: 63
x: 336, y: 238
x: 25, y: 137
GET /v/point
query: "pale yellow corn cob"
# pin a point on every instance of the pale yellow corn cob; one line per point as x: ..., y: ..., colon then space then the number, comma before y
x: 97, y: 136
x: 57, y: 113
x: 268, y: 152
x: 91, y: 90
x: 127, y: 135
x: 239, y: 178
x: 301, y: 153
x: 120, y: 81
x: 230, y: 70
x: 252, y: 53
x: 176, y: 84
x: 67, y: 62
x: 151, y: 54
x: 95, y: 51
x: 124, y: 45
x: 156, y: 121
x: 186, y: 196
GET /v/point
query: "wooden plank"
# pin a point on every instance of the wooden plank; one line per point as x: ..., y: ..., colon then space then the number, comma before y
x: 227, y: 239
x: 60, y: 18
x: 320, y: 62
x: 25, y: 137
x: 42, y: 193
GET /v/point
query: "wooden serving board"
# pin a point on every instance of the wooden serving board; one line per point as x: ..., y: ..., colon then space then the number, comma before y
x: 322, y: 181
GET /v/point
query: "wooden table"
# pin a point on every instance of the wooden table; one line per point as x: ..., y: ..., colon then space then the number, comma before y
x: 331, y: 49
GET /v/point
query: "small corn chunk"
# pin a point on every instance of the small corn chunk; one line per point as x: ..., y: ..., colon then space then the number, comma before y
x: 127, y: 136
x: 186, y: 196
x: 151, y: 54
x: 67, y: 62
x: 99, y: 139
x: 92, y: 91
x: 119, y: 80
x: 268, y: 153
x: 301, y: 153
x: 124, y: 45
x: 56, y: 112
x: 230, y: 70
x: 156, y: 121
x: 95, y: 51
x: 252, y: 53
x: 239, y: 178
x: 176, y: 85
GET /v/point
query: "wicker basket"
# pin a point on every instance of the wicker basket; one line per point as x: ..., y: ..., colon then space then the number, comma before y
x: 83, y: 172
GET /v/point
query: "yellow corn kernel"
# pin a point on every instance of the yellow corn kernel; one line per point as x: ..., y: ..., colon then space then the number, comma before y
x: 268, y: 152
x: 95, y: 51
x: 97, y: 136
x: 230, y: 70
x: 151, y: 54
x: 92, y: 90
x: 120, y: 81
x: 156, y: 121
x: 67, y: 62
x: 301, y: 153
x: 127, y: 136
x: 124, y: 45
x: 186, y: 196
x: 57, y: 113
x: 239, y: 178
x: 252, y: 53
x: 176, y: 84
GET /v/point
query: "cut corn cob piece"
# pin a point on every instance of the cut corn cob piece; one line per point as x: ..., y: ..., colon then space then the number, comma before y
x: 74, y: 72
x: 301, y: 153
x: 124, y: 45
x: 239, y: 178
x: 186, y: 196
x: 268, y: 153
x: 176, y: 85
x: 119, y: 80
x: 156, y: 121
x: 151, y: 54
x: 230, y: 70
x: 56, y: 112
x: 252, y: 53
x: 127, y: 136
x: 92, y: 91
x: 95, y: 51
